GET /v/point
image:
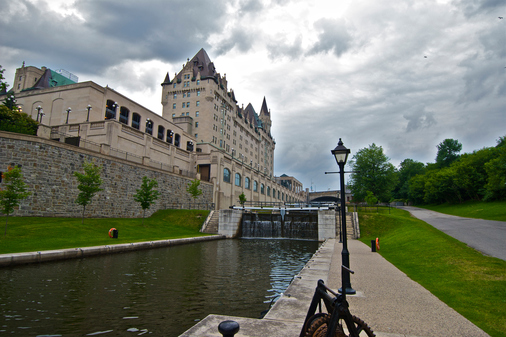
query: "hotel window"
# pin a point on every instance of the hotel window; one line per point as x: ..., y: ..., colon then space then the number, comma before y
x: 237, y: 179
x: 196, y: 124
x: 198, y: 92
x: 262, y: 189
x: 255, y: 186
x: 174, y: 85
x: 175, y: 96
x: 184, y: 94
x: 188, y: 95
x: 196, y: 113
x: 184, y: 104
x: 247, y: 183
x: 173, y: 115
x: 187, y: 104
x: 226, y: 175
x: 198, y: 103
x: 198, y: 82
x: 136, y: 121
x: 174, y: 106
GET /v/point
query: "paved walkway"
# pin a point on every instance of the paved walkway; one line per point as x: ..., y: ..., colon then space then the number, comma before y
x: 387, y: 300
x: 486, y: 236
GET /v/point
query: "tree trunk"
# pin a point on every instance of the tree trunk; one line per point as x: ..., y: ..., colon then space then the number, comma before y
x: 6, y: 221
x: 143, y: 216
x: 82, y: 218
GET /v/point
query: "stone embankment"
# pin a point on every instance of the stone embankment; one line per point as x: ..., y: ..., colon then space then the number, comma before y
x: 76, y: 253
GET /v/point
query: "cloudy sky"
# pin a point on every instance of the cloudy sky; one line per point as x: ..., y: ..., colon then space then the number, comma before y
x: 402, y: 74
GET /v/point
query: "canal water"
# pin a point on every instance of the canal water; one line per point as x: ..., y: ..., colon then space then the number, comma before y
x: 158, y: 292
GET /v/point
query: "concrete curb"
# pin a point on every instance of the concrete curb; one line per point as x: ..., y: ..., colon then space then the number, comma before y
x: 7, y: 260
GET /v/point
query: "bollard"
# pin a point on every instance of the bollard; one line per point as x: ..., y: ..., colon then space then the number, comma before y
x: 373, y: 246
x: 228, y: 328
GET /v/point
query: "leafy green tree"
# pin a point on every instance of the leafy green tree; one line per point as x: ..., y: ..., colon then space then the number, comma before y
x: 407, y: 170
x: 370, y: 199
x: 3, y: 85
x: 447, y: 152
x: 193, y: 188
x: 15, y: 121
x: 13, y: 193
x: 242, y: 199
x: 372, y: 172
x: 147, y: 194
x: 495, y: 189
x: 416, y: 189
x: 89, y: 184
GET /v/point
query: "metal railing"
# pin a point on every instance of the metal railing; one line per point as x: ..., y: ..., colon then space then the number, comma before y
x: 191, y: 205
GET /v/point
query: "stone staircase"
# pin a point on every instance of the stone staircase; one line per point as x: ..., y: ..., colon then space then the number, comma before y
x: 211, y: 224
x: 352, y: 229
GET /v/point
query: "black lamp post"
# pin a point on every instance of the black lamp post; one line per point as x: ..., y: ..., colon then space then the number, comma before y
x: 88, y: 116
x: 341, y: 154
x: 69, y: 110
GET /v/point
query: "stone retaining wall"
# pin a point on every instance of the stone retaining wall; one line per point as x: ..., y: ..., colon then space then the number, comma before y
x: 48, y: 168
x: 75, y: 253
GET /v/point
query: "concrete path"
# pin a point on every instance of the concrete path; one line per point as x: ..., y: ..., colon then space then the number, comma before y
x: 486, y: 236
x: 392, y: 304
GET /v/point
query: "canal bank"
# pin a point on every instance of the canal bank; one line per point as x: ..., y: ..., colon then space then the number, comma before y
x: 77, y: 253
x: 388, y: 301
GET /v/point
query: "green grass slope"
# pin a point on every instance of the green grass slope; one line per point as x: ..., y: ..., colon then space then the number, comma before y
x: 27, y: 234
x: 466, y: 280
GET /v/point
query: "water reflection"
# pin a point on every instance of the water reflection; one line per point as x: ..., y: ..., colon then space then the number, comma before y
x: 161, y: 292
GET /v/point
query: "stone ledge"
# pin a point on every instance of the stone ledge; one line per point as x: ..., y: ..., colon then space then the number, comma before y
x: 7, y: 260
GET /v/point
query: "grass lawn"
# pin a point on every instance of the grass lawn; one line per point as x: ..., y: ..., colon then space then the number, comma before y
x: 469, y: 282
x: 473, y: 209
x: 27, y: 234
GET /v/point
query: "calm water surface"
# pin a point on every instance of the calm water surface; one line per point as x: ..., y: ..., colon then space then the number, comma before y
x: 159, y: 292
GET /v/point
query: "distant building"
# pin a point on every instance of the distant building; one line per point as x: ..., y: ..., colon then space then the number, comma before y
x: 202, y: 131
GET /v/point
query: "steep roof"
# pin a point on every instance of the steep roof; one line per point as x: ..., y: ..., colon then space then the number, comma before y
x: 264, y: 110
x: 201, y: 63
x: 51, y: 79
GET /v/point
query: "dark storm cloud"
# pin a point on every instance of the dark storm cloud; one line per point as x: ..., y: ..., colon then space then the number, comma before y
x: 476, y: 7
x: 333, y: 37
x: 240, y: 38
x: 113, y: 31
x: 419, y: 119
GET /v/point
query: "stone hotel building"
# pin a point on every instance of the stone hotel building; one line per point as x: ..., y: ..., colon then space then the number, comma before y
x: 203, y: 132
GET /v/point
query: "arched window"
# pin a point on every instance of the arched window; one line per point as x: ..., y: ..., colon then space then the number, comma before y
x: 247, y: 183
x: 283, y: 196
x: 226, y: 175
x: 189, y: 145
x: 123, y: 115
x: 170, y: 134
x: 237, y: 179
x: 268, y: 191
x: 262, y: 188
x: 177, y: 139
x: 255, y: 186
x: 110, y: 109
x: 274, y: 193
x: 136, y: 120
x: 149, y: 126
x: 161, y: 131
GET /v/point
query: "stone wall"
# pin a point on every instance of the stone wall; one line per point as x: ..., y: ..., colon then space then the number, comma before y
x: 48, y: 168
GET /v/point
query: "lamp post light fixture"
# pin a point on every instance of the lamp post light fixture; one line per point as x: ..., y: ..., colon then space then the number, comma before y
x: 341, y: 154
x: 42, y: 114
x: 69, y: 110
x: 88, y: 116
x: 39, y: 109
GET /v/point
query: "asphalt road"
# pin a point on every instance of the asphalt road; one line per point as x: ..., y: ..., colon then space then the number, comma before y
x: 486, y: 236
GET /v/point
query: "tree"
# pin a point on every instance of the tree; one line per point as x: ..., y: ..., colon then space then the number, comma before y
x: 89, y: 184
x: 370, y: 199
x: 14, y: 192
x: 408, y: 168
x: 193, y: 188
x: 496, y: 172
x: 242, y: 199
x: 374, y: 173
x: 447, y: 152
x: 147, y: 194
x: 3, y: 85
x: 15, y: 121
